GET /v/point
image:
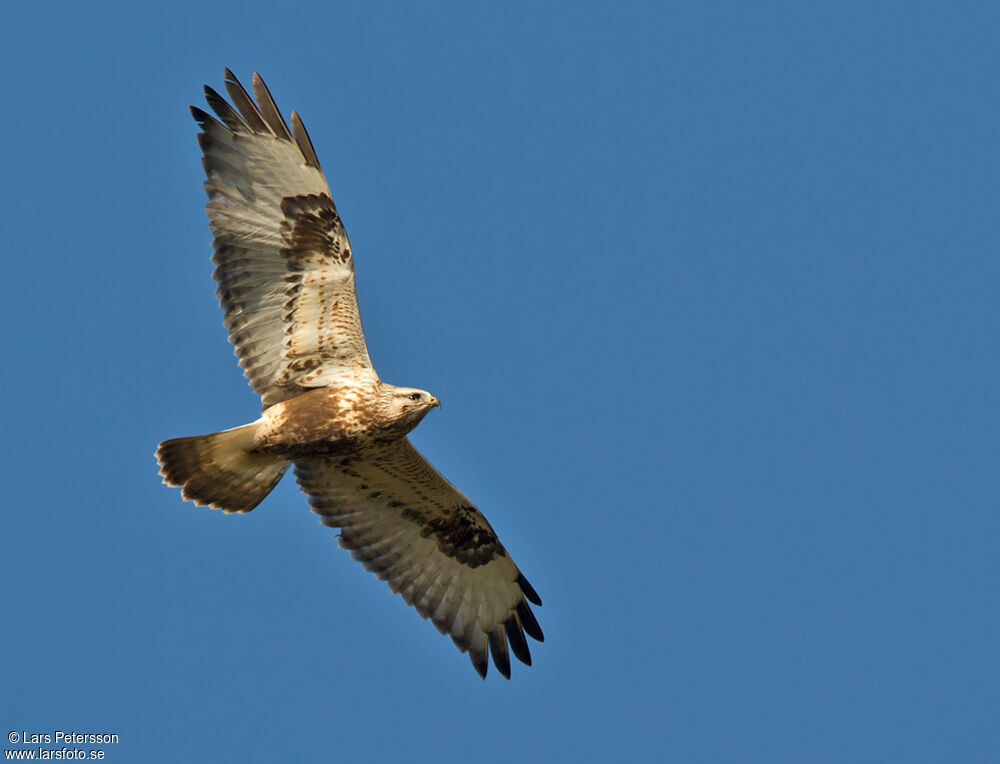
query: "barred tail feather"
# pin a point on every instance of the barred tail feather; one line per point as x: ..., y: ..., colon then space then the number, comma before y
x: 219, y: 470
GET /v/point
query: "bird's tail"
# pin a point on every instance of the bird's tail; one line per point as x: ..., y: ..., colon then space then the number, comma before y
x: 220, y: 470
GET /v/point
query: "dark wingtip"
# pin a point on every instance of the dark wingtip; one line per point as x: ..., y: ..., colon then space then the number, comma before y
x: 480, y: 662
x: 528, y: 622
x: 518, y: 644
x: 304, y: 141
x: 201, y: 116
x: 498, y: 647
x: 269, y: 109
x: 528, y: 589
x: 245, y: 104
x: 233, y: 119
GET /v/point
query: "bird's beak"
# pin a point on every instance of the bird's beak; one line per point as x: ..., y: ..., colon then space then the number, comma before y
x: 435, y: 402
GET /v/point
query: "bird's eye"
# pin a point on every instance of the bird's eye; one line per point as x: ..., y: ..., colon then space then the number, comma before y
x: 414, y: 396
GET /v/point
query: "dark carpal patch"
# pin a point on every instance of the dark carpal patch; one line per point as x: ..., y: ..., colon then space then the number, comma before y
x: 307, y: 363
x: 313, y: 231
x: 460, y: 535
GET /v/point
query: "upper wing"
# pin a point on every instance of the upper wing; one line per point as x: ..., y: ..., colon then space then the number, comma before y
x: 415, y: 530
x: 285, y: 269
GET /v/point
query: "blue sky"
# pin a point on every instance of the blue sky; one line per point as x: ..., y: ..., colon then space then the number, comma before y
x: 708, y: 293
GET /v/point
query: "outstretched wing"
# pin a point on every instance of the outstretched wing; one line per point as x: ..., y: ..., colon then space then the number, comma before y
x: 284, y: 265
x: 415, y: 530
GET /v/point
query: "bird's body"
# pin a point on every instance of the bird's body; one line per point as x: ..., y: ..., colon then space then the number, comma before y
x: 285, y: 274
x: 340, y: 418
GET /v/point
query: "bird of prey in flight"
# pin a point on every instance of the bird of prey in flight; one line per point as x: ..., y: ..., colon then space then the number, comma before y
x: 285, y: 275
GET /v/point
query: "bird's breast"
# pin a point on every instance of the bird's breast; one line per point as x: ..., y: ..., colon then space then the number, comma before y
x: 324, y: 421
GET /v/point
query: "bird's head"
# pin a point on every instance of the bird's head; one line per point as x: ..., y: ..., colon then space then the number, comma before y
x: 407, y: 404
x: 416, y: 399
